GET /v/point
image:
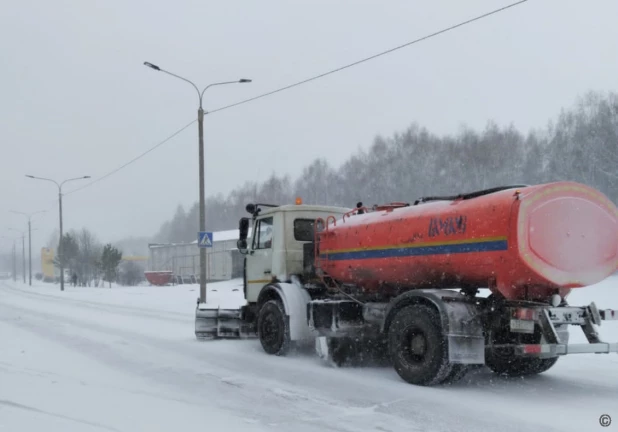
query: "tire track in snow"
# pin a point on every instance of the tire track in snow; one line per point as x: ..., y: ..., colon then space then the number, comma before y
x: 263, y: 384
x: 104, y: 353
x: 254, y: 391
x: 260, y: 402
x: 61, y: 416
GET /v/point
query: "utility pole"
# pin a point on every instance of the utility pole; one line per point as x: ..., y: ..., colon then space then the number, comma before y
x: 60, y: 256
x: 13, y: 256
x: 29, y: 252
x: 200, y: 129
x: 14, y: 264
x: 23, y: 256
x: 61, y: 243
x: 29, y: 216
x: 200, y: 121
x: 23, y: 251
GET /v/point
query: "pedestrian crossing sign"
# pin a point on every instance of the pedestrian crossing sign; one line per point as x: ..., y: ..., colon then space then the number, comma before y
x: 204, y: 239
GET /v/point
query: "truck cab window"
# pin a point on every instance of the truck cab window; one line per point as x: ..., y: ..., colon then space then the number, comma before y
x: 264, y: 231
x: 303, y: 229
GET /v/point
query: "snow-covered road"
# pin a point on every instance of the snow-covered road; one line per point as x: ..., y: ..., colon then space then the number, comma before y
x: 125, y: 359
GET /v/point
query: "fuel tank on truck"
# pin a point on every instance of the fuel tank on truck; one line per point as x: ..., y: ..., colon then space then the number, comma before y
x: 523, y: 242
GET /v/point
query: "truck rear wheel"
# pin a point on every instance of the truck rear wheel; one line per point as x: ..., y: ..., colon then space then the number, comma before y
x: 458, y: 372
x: 417, y: 346
x: 503, y: 361
x: 519, y: 366
x: 273, y: 328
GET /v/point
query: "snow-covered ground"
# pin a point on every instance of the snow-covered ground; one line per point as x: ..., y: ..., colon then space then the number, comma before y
x: 125, y: 359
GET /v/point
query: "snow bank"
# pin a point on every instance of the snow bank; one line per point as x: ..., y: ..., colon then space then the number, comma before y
x: 174, y: 298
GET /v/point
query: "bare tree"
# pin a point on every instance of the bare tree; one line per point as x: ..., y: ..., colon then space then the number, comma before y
x: 88, y: 261
x: 581, y: 144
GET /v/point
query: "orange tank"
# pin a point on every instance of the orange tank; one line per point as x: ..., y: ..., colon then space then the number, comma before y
x: 525, y: 243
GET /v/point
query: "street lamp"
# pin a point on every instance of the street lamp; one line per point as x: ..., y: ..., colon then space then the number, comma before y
x: 29, y: 216
x: 61, y: 259
x: 13, y: 256
x: 200, y: 118
x: 23, y: 251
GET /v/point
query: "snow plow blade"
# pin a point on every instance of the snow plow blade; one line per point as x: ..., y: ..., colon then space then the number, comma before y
x: 217, y: 323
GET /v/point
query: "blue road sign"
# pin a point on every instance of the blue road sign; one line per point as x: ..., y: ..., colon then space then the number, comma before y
x: 204, y: 239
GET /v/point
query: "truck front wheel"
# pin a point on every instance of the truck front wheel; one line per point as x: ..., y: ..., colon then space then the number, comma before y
x: 417, y: 346
x: 273, y: 328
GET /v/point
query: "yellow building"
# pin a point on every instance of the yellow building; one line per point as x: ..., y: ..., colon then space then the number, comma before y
x: 47, y: 264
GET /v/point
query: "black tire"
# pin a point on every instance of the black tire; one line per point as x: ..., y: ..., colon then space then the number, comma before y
x: 419, y: 325
x: 273, y: 328
x: 350, y: 351
x: 503, y: 361
x: 519, y: 366
x: 457, y: 374
x: 378, y: 352
x: 341, y: 350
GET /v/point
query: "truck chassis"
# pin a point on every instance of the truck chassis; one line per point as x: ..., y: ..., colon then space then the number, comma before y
x: 430, y: 336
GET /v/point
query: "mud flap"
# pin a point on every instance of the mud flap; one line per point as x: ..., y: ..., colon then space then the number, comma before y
x: 321, y: 349
x: 466, y: 341
x: 468, y: 350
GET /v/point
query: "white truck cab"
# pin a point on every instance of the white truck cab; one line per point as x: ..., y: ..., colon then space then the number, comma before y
x: 275, y: 250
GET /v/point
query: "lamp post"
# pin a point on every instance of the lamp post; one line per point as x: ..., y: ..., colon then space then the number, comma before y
x: 23, y: 251
x: 61, y: 258
x: 200, y: 119
x: 29, y: 216
x: 13, y: 256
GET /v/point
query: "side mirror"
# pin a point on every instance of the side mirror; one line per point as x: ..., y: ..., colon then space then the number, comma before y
x: 243, y: 227
x: 242, y: 246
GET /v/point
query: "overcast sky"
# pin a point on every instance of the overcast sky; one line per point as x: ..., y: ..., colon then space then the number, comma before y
x: 76, y: 99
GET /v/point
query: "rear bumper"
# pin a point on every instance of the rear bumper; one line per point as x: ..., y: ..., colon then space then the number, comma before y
x: 553, y: 323
x: 554, y: 350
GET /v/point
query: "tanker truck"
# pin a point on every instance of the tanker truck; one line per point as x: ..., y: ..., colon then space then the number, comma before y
x: 406, y: 280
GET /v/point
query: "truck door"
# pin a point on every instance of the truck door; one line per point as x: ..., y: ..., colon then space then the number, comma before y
x: 260, y: 259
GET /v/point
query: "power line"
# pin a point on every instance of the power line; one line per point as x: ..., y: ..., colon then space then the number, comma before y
x: 132, y: 160
x: 371, y: 58
x: 453, y: 27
